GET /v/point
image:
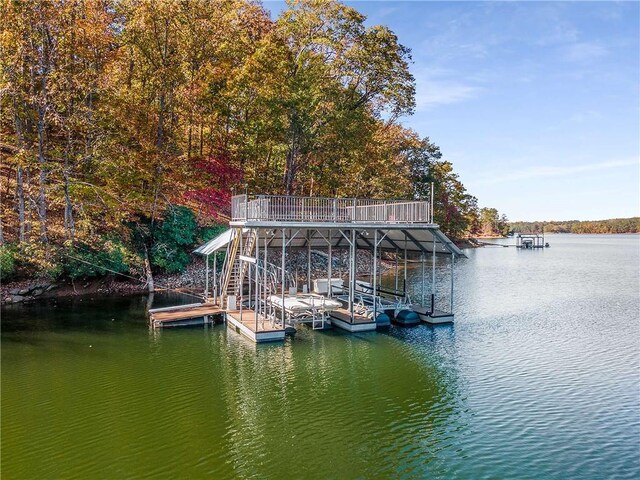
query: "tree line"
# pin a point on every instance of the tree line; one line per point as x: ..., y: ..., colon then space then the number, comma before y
x: 126, y: 125
x: 613, y: 225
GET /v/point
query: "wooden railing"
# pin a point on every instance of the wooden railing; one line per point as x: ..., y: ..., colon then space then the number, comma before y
x: 281, y: 208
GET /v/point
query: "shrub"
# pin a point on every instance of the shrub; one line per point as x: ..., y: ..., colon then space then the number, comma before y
x: 107, y: 257
x: 177, y: 230
x: 38, y: 260
x: 7, y: 262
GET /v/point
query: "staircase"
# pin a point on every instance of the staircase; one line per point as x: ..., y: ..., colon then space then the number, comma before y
x: 234, y: 270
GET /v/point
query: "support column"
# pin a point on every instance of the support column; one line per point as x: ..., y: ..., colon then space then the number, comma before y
x: 375, y: 275
x: 396, y: 271
x: 265, y: 272
x: 206, y: 279
x: 352, y: 276
x: 404, y: 274
x: 308, y: 261
x: 433, y: 275
x: 422, y: 267
x: 256, y: 305
x: 284, y: 248
x: 453, y: 261
x: 329, y: 268
x: 215, y: 277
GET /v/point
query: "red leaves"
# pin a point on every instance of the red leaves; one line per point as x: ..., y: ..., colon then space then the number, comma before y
x: 219, y: 171
x: 213, y: 202
x: 220, y: 168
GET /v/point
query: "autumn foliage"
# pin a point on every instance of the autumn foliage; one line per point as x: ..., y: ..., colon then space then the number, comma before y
x: 114, y: 112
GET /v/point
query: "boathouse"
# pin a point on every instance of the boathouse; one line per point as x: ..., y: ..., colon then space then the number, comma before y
x: 262, y: 297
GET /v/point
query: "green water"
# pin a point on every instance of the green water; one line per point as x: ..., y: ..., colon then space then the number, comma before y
x: 537, y: 379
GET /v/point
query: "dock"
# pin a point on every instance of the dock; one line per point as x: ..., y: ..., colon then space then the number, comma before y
x: 263, y: 296
x: 184, y: 315
x: 341, y: 318
x: 259, y: 331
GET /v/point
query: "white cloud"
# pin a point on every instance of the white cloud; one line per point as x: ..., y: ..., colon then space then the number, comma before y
x: 583, y: 52
x: 430, y: 93
x: 553, y: 171
x: 438, y: 86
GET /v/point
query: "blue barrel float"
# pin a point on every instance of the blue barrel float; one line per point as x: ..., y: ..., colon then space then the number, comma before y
x: 407, y: 318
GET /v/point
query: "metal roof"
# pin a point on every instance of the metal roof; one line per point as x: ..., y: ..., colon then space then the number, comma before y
x: 415, y: 238
x: 218, y: 243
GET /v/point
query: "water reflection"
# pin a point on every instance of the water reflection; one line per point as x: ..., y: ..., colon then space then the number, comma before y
x: 537, y: 379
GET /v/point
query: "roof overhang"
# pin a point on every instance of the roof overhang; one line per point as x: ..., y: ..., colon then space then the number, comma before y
x: 415, y: 238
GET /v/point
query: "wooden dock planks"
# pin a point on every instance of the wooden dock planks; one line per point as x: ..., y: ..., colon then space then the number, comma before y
x: 246, y: 324
x: 162, y: 317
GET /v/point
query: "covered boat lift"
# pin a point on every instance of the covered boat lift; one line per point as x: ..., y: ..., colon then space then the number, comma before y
x: 262, y: 224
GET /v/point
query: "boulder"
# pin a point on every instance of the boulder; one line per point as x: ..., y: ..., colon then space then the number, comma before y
x: 17, y: 298
x: 24, y: 291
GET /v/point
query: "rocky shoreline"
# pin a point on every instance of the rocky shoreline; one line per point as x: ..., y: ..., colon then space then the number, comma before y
x: 192, y: 279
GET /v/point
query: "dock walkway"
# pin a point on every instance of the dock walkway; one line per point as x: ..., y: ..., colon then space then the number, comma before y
x: 184, y: 315
x: 261, y: 331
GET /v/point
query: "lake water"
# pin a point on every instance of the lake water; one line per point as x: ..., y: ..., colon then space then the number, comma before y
x: 538, y: 378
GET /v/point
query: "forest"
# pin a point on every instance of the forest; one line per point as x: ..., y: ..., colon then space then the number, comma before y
x: 613, y: 225
x: 126, y: 125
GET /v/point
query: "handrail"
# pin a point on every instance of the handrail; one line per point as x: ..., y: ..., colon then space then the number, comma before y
x: 283, y: 208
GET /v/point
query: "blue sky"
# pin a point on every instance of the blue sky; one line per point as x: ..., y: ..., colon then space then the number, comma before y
x: 537, y: 104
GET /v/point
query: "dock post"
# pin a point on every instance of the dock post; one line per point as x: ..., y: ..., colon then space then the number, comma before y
x: 404, y: 274
x: 215, y: 277
x: 375, y: 274
x: 422, y: 265
x: 206, y: 279
x: 329, y: 272
x: 256, y: 307
x: 396, y: 270
x: 433, y: 267
x: 308, y: 261
x: 453, y: 261
x: 284, y: 247
x: 265, y: 274
x: 352, y: 274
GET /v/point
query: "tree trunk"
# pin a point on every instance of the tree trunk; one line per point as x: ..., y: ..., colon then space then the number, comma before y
x: 68, y: 207
x: 147, y: 269
x: 42, y: 110
x: 42, y: 199
x: 20, y: 198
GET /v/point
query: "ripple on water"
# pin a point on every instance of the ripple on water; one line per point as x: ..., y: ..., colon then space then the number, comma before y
x: 538, y: 378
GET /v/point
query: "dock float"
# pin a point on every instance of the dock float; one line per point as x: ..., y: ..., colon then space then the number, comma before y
x: 184, y: 315
x: 438, y: 316
x: 261, y: 331
x: 341, y: 318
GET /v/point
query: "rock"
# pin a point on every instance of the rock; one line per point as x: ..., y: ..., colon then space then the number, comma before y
x: 24, y: 291
x: 37, y: 291
x: 51, y: 287
x: 14, y: 291
x: 17, y: 298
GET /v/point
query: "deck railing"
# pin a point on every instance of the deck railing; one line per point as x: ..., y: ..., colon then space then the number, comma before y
x: 282, y: 208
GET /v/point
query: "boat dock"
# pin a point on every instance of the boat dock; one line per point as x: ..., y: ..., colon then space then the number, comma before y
x: 262, y: 296
x: 184, y: 315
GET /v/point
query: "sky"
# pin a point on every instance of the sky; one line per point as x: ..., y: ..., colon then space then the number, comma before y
x: 536, y: 104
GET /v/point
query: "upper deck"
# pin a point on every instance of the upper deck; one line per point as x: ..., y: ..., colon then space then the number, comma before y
x: 290, y: 209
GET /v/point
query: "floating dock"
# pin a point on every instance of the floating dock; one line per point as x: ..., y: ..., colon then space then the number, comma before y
x: 342, y: 318
x: 184, y: 315
x: 249, y: 324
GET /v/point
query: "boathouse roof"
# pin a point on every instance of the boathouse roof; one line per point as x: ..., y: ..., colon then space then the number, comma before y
x: 318, y: 221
